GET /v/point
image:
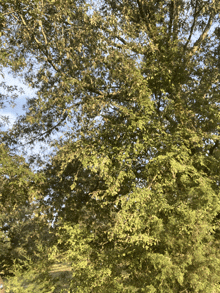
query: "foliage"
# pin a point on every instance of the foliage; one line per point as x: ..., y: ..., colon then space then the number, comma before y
x: 22, y: 222
x: 28, y: 281
x: 131, y: 89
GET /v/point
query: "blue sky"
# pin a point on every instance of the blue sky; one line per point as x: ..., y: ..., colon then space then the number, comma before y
x: 13, y: 112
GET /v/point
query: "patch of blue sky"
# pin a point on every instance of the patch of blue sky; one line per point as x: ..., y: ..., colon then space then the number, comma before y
x: 13, y: 107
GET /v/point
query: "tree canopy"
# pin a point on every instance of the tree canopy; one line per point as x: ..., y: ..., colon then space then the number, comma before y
x: 127, y: 98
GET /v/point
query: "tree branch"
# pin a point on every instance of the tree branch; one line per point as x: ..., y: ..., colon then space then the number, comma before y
x: 203, y: 35
x: 193, y: 26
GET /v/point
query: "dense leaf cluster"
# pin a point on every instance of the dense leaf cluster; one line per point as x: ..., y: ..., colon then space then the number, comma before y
x: 127, y: 97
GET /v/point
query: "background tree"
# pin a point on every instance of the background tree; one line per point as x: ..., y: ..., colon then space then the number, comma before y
x: 24, y: 228
x: 22, y: 222
x: 132, y: 88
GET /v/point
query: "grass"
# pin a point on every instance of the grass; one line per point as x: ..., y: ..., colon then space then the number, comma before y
x: 61, y: 274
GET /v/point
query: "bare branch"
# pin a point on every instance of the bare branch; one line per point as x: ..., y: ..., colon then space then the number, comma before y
x: 193, y: 26
x: 45, y: 38
x: 203, y: 35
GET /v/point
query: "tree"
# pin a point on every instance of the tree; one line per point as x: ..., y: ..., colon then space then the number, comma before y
x: 21, y: 220
x: 132, y: 89
x: 25, y: 234
x: 24, y: 230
